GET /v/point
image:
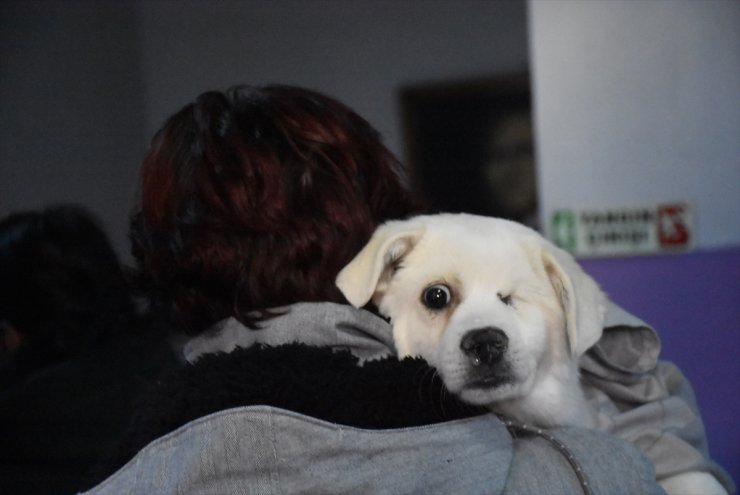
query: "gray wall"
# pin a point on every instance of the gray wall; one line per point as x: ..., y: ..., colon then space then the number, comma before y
x: 72, y: 114
x: 638, y: 103
x: 358, y: 51
x: 85, y: 84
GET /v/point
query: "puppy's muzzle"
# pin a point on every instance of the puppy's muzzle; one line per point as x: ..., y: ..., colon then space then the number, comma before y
x: 485, y: 345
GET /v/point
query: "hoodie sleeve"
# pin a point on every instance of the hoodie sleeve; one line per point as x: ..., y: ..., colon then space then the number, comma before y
x: 646, y: 401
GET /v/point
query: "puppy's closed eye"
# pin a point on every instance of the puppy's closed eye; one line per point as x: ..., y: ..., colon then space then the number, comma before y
x: 506, y: 299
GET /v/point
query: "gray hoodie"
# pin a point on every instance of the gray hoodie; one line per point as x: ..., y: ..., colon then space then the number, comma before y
x: 259, y: 449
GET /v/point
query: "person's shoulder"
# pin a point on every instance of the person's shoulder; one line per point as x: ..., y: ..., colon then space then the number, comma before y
x: 284, y: 451
x: 597, y: 461
x: 321, y: 382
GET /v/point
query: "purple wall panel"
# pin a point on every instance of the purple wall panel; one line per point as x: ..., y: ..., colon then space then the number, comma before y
x: 693, y: 300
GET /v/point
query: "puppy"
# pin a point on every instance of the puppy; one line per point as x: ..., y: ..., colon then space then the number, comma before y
x: 501, y: 312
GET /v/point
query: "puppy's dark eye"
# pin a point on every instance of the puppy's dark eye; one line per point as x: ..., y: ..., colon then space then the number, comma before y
x: 436, y: 297
x: 505, y: 299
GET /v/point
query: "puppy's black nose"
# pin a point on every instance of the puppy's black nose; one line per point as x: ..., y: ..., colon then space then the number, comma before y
x: 485, y: 345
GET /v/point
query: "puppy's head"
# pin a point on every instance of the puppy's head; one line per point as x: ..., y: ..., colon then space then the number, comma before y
x: 488, y: 302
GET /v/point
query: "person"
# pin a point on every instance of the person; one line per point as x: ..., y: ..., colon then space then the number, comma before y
x: 252, y: 201
x: 72, y: 360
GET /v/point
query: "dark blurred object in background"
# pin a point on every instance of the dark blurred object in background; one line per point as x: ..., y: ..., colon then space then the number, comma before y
x: 74, y: 350
x: 471, y: 147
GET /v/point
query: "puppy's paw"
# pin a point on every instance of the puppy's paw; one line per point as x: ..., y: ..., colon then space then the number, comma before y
x: 692, y: 483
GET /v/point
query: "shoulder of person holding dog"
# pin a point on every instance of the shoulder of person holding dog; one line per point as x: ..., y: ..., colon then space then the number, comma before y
x: 252, y: 202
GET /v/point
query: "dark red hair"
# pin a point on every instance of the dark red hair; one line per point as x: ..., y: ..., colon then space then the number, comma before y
x: 256, y: 198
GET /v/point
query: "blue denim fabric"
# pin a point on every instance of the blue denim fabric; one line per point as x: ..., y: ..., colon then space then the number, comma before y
x: 263, y: 450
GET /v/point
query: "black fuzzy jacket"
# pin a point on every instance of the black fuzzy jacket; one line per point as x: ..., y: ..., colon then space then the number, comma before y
x: 316, y: 381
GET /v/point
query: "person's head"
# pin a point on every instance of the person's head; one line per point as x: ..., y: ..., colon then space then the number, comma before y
x: 61, y: 285
x: 255, y: 198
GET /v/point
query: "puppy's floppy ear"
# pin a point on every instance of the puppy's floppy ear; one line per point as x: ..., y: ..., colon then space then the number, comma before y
x: 361, y: 278
x: 583, y: 302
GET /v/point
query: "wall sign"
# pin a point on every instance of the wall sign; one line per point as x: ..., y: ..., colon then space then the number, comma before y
x: 624, y: 231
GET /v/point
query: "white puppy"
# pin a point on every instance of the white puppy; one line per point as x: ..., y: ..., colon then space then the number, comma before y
x: 501, y: 312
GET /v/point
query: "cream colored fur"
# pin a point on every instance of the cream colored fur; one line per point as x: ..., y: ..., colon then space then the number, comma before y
x: 554, y: 315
